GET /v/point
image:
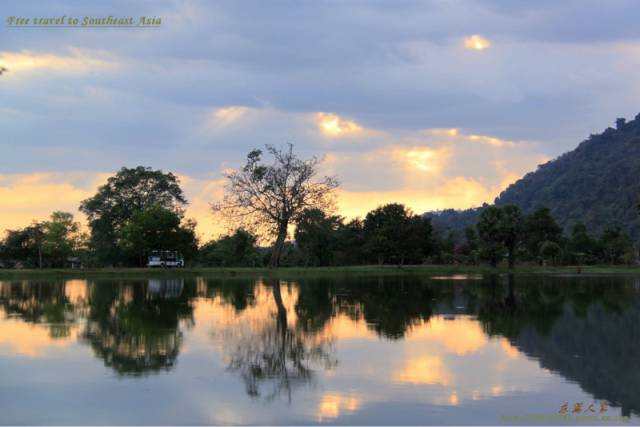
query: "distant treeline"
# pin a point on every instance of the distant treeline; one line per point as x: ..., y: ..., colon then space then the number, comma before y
x: 140, y: 210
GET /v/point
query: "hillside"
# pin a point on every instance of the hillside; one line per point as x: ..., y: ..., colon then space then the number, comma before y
x: 597, y: 184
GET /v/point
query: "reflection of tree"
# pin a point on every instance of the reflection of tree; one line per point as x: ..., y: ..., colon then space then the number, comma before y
x: 390, y: 305
x: 40, y: 302
x: 134, y: 327
x: 278, y: 354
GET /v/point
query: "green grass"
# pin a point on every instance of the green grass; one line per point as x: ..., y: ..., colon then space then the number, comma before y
x: 316, y: 271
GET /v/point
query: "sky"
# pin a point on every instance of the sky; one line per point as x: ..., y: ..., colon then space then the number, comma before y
x: 434, y: 104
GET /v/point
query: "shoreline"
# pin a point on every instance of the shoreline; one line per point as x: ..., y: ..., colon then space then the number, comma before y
x: 321, y: 271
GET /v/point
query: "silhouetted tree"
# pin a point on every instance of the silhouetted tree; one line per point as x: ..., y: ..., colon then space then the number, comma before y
x: 268, y: 198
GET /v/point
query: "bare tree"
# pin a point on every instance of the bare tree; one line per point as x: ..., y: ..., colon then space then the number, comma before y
x: 267, y: 198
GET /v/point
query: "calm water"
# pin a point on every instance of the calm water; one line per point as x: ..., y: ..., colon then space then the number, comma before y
x: 391, y: 350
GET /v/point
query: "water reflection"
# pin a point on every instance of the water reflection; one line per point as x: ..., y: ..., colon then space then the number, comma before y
x: 348, y: 347
x: 277, y: 353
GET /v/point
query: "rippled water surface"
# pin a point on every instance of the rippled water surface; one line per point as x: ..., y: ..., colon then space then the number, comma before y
x: 356, y: 350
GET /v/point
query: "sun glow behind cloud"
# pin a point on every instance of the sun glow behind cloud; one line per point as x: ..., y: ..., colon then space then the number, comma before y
x: 425, y: 169
x: 77, y: 61
x: 476, y: 42
x: 334, y: 126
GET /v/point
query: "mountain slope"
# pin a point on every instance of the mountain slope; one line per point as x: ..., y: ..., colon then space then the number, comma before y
x: 598, y: 184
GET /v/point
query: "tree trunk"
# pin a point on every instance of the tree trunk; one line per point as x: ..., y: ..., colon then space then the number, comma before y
x: 512, y: 257
x: 277, y: 247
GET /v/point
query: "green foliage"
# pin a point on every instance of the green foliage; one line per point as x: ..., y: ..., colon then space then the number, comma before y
x: 236, y: 250
x: 500, y: 231
x: 540, y: 227
x: 43, y: 244
x: 315, y: 236
x: 616, y: 246
x: 157, y: 228
x: 394, y: 235
x: 128, y: 192
x: 489, y: 230
x: 62, y: 238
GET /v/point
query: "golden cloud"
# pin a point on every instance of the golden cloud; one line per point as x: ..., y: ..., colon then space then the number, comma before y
x: 228, y: 115
x: 457, y: 192
x: 30, y: 197
x: 476, y: 42
x: 421, y: 159
x: 76, y: 62
x: 333, y: 126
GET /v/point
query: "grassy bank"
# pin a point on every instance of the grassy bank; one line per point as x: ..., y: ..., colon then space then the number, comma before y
x: 316, y: 271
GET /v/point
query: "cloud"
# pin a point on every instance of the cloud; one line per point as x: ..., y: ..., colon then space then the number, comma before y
x: 333, y: 126
x: 476, y: 42
x: 75, y: 61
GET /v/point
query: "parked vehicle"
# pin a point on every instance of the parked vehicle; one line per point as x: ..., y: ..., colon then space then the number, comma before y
x: 165, y: 259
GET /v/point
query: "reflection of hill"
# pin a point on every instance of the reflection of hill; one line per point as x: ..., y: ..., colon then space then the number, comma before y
x: 582, y: 328
x: 588, y: 331
x: 600, y: 352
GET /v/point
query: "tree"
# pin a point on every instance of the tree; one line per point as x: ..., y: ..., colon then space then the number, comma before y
x: 349, y: 243
x: 491, y: 245
x: 61, y: 238
x: 550, y: 251
x: 616, y: 246
x: 25, y: 246
x: 539, y: 227
x: 316, y: 235
x: 499, y: 229
x: 157, y: 228
x: 581, y: 246
x: 129, y: 191
x: 510, y: 230
x: 385, y: 230
x: 267, y: 198
x: 236, y: 250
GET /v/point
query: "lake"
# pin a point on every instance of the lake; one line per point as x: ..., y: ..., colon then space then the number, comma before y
x: 337, y: 350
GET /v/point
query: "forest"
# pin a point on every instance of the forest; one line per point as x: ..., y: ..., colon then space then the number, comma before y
x: 140, y: 210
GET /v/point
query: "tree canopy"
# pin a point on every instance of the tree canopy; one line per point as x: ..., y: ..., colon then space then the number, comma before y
x: 267, y: 198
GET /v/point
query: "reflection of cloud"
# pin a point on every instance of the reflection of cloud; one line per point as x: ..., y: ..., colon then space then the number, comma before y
x: 509, y: 350
x: 461, y: 335
x: 332, y: 404
x: 424, y: 370
x: 30, y: 340
x: 476, y: 42
x: 76, y: 291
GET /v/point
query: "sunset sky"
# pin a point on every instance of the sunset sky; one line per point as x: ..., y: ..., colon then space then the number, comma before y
x: 434, y: 104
